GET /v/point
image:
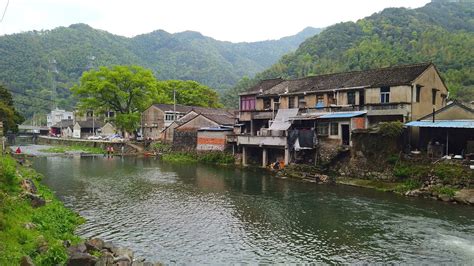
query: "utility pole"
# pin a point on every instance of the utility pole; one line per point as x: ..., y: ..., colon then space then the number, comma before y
x: 53, y: 71
x: 174, y: 108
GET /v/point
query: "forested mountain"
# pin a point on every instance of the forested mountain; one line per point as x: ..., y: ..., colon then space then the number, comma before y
x: 30, y: 61
x: 440, y: 32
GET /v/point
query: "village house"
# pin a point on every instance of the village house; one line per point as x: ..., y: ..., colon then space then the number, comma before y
x: 160, y: 120
x: 447, y: 131
x: 64, y: 128
x: 185, y: 135
x: 331, y: 106
x: 57, y: 115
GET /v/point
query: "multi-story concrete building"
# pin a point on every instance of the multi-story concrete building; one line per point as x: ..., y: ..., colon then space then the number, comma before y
x: 331, y: 106
x: 57, y: 115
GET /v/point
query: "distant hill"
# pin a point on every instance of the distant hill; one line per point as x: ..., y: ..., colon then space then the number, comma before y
x: 27, y: 59
x: 441, y: 32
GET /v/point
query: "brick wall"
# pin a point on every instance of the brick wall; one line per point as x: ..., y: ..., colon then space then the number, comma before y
x: 184, y: 140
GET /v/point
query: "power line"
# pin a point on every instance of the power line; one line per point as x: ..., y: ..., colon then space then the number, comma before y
x: 4, y: 11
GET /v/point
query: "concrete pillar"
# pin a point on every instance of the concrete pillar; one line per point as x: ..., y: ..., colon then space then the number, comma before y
x: 244, y: 156
x: 264, y: 158
x: 287, y: 156
x: 251, y: 128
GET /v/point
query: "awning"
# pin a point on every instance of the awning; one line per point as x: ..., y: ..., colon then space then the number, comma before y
x: 281, y: 121
x: 343, y: 114
x: 443, y: 124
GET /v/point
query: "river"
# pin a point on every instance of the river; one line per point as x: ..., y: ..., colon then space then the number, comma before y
x: 194, y: 214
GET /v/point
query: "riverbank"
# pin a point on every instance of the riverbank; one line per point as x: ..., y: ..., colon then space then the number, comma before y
x: 448, y: 181
x: 37, y: 229
x: 34, y: 224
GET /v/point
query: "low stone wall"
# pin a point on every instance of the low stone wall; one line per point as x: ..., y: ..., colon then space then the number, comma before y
x: 87, y: 143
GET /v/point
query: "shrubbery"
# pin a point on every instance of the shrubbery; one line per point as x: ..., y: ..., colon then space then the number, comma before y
x: 205, y: 157
x: 391, y: 129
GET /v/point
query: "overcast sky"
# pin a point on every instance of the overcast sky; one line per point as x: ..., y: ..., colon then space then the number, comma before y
x: 228, y: 20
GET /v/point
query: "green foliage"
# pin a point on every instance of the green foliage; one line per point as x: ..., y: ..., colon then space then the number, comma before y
x: 127, y: 90
x: 190, y: 93
x: 444, y: 190
x: 53, y: 222
x: 7, y: 171
x: 205, y: 157
x: 393, y: 159
x: 64, y: 149
x: 409, y: 170
x: 446, y: 171
x: 407, y: 185
x: 25, y: 66
x: 391, y: 129
x: 161, y: 147
x: 8, y: 114
x: 442, y: 33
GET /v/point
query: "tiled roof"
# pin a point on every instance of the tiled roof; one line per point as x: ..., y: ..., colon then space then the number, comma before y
x: 263, y: 85
x: 185, y: 109
x: 64, y: 123
x: 221, y: 119
x: 88, y: 123
x: 389, y: 76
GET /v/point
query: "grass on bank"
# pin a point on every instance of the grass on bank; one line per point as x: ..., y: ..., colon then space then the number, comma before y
x: 193, y: 157
x: 64, y: 149
x: 52, y: 224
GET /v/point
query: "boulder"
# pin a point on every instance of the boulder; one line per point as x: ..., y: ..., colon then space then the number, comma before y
x: 418, y: 193
x: 106, y: 259
x: 119, y: 252
x: 109, y: 246
x: 123, y: 259
x: 465, y: 196
x: 79, y: 248
x: 94, y: 244
x: 81, y: 259
x: 445, y: 198
x: 35, y: 200
x: 29, y: 186
x: 26, y: 261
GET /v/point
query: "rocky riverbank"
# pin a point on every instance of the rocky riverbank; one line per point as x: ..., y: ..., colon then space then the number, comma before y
x: 98, y: 252
x: 37, y: 229
x: 443, y: 181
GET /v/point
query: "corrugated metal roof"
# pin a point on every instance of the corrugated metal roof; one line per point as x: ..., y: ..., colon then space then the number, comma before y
x: 282, y: 119
x: 343, y: 114
x: 443, y: 124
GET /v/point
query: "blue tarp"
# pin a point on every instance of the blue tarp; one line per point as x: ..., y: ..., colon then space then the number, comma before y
x: 442, y: 124
x: 343, y: 114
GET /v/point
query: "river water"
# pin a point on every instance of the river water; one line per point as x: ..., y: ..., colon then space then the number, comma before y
x: 194, y: 214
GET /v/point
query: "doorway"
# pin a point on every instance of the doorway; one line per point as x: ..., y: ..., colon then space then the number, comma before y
x: 345, y: 134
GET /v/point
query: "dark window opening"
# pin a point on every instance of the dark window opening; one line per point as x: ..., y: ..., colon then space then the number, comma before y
x: 267, y: 103
x: 291, y: 102
x: 351, y: 97
x: 433, y: 98
x: 361, y: 97
x: 385, y: 94
x: 417, y: 93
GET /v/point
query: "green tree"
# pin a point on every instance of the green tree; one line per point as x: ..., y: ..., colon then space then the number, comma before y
x: 190, y: 93
x: 8, y: 115
x: 127, y: 90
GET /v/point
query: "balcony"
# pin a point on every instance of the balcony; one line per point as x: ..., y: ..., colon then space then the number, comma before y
x: 255, y: 114
x: 274, y: 141
x: 372, y: 109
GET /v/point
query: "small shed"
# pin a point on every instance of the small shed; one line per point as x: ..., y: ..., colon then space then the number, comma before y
x: 84, y: 129
x: 213, y: 138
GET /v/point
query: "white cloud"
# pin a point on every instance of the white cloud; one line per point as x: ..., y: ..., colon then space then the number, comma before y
x: 231, y: 20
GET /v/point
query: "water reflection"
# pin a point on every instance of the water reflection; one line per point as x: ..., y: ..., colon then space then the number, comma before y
x: 196, y: 214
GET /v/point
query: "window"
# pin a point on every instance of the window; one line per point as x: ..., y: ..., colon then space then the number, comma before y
x: 433, y: 95
x: 417, y: 93
x: 301, y: 102
x: 267, y: 103
x: 322, y: 129
x: 247, y: 103
x: 334, y: 129
x: 319, y: 101
x: 351, y: 99
x: 384, y: 94
x: 291, y: 102
x: 331, y: 98
x: 169, y: 117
